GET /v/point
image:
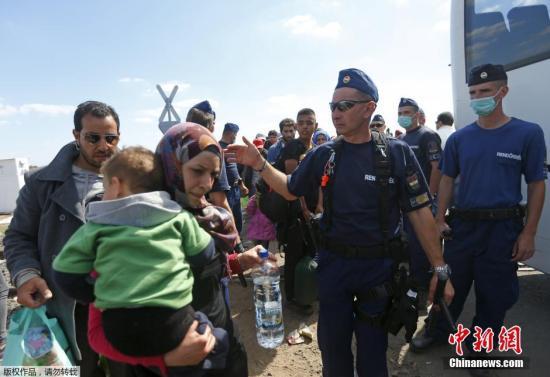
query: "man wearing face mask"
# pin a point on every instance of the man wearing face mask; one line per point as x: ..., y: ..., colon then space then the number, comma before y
x: 489, y: 235
x: 426, y: 145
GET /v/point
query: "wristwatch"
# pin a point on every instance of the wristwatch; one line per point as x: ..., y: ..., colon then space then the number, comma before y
x: 443, y: 272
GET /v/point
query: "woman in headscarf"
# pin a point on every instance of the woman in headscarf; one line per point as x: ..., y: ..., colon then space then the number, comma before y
x: 191, y: 159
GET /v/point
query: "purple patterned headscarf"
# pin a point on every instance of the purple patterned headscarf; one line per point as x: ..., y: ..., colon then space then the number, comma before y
x: 181, y: 143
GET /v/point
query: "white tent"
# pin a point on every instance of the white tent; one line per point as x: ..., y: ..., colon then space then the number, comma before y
x: 12, y: 173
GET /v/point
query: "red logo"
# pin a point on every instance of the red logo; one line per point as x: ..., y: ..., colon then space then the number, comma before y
x: 508, y: 339
x: 457, y: 338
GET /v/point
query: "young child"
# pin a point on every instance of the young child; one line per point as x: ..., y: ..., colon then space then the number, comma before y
x: 260, y: 229
x: 141, y: 245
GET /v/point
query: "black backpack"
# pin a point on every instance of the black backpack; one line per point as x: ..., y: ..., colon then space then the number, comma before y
x: 273, y: 205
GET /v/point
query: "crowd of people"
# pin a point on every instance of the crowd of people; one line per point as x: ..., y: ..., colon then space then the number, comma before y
x: 131, y: 250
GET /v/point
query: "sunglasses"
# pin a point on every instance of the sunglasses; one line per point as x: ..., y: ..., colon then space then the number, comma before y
x: 344, y: 105
x: 95, y: 138
x: 377, y: 125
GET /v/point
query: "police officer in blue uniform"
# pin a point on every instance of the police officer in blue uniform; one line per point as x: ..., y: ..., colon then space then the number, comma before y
x: 378, y: 123
x: 426, y: 145
x: 354, y: 261
x: 237, y: 187
x: 489, y: 235
x: 202, y: 113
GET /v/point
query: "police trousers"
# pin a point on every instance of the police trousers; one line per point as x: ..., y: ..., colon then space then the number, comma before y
x: 480, y: 253
x: 340, y: 280
x: 234, y: 200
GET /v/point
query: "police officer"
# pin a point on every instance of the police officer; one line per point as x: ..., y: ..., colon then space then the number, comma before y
x: 426, y: 146
x: 378, y: 123
x: 489, y: 235
x: 235, y: 181
x: 202, y: 113
x: 352, y: 261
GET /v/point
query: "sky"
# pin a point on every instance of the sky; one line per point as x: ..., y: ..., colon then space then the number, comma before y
x: 257, y: 62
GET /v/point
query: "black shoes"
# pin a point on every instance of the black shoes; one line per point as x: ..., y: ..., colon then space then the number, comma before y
x: 423, y: 342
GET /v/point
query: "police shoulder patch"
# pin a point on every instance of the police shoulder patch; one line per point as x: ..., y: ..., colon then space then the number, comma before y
x: 432, y: 147
x: 419, y: 200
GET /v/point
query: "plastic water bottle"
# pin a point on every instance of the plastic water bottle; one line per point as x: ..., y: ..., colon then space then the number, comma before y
x: 270, y: 330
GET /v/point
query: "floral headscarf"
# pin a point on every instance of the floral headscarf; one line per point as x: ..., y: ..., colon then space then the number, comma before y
x: 181, y: 143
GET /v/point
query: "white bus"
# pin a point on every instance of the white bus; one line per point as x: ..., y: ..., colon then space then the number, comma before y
x: 515, y: 33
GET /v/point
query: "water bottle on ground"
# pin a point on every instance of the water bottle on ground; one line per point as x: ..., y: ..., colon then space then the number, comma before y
x: 270, y: 330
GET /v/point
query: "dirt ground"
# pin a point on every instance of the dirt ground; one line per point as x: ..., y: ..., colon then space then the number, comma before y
x: 532, y: 313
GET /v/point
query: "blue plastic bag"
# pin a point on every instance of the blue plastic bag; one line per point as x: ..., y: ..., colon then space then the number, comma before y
x: 36, y: 340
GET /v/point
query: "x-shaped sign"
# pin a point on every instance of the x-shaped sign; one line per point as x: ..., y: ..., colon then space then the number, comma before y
x: 169, y: 110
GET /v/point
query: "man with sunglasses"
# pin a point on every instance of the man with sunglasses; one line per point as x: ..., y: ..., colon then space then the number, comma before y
x: 50, y: 208
x: 353, y: 266
x: 378, y: 123
x: 426, y: 145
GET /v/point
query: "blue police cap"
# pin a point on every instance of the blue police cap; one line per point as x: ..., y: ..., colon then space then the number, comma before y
x: 205, y: 107
x: 378, y: 119
x: 408, y: 102
x: 357, y: 79
x: 231, y: 127
x: 486, y: 73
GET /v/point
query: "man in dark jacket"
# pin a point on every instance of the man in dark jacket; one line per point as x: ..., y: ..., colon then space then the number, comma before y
x: 50, y: 208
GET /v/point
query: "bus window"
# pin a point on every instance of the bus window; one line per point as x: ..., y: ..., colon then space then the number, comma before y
x: 506, y: 32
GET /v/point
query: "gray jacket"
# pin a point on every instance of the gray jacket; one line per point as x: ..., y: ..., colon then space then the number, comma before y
x: 48, y: 212
x: 142, y: 210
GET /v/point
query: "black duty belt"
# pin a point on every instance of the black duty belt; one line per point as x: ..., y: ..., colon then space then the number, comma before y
x: 395, y: 249
x: 488, y: 214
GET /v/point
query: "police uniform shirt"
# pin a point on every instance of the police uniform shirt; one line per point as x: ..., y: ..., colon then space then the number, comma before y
x: 230, y: 168
x: 220, y: 184
x: 355, y: 192
x: 426, y: 145
x: 296, y: 150
x: 491, y: 161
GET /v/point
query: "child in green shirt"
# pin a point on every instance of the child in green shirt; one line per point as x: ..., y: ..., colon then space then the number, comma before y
x: 140, y: 243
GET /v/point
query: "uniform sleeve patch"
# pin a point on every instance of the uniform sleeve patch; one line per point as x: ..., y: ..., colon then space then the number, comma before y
x: 419, y: 200
x: 434, y: 151
x: 413, y: 185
